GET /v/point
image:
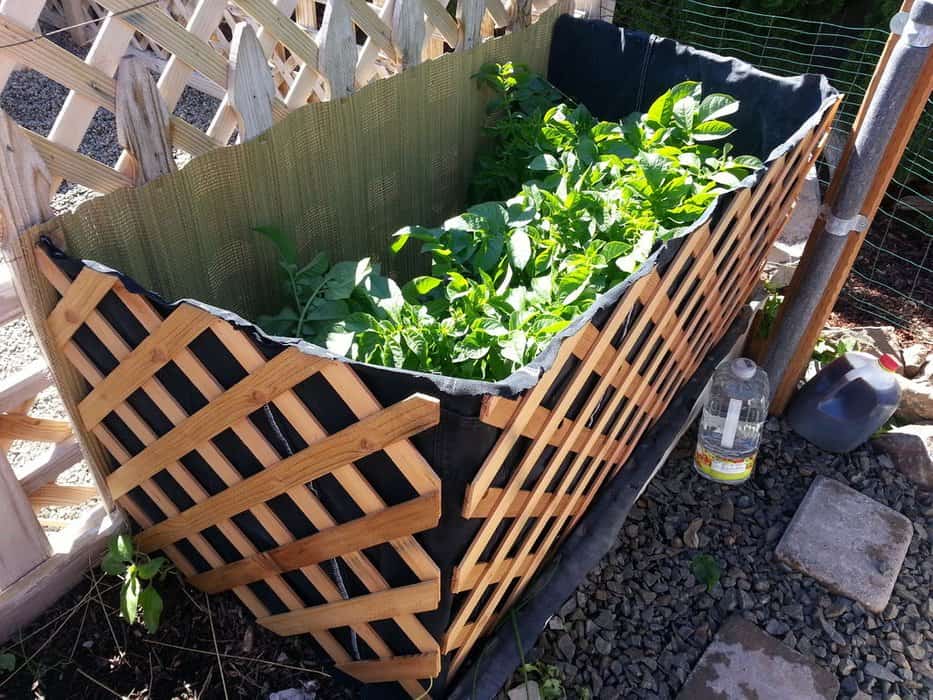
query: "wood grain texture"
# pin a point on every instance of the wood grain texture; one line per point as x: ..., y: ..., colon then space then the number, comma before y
x: 23, y: 385
x: 251, y: 90
x: 143, y: 122
x: 14, y: 426
x: 280, y: 374
x: 394, y: 522
x: 397, y: 422
x: 76, y: 305
x: 61, y: 495
x: 338, y: 49
x: 24, y: 544
x: 418, y: 597
x: 395, y: 668
x: 181, y: 327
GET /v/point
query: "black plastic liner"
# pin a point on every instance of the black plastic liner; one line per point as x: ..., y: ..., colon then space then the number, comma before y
x: 613, y: 72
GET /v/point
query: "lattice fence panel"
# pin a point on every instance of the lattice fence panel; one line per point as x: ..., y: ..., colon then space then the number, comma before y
x: 256, y: 525
x: 582, y: 420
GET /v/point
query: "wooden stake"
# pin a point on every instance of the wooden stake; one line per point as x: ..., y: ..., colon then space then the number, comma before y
x: 338, y: 49
x: 249, y: 81
x: 143, y: 126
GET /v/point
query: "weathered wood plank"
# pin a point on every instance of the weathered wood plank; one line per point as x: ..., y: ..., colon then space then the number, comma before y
x: 251, y: 91
x: 143, y: 123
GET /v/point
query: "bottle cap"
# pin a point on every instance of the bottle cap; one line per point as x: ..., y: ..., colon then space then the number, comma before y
x: 889, y: 363
x: 743, y: 368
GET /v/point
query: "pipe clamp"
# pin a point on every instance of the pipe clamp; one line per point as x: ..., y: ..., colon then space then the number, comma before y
x: 842, y: 227
x: 915, y: 34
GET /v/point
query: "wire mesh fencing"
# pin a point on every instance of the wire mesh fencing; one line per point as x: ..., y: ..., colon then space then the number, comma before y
x: 892, y: 280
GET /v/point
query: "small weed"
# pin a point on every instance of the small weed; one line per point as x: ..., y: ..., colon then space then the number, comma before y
x: 137, y: 570
x: 769, y: 310
x: 826, y: 351
x: 549, y: 679
x: 706, y: 570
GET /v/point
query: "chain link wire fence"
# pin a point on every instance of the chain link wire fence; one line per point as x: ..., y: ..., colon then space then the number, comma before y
x: 892, y: 280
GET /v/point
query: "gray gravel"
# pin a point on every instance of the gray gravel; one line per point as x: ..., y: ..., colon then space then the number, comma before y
x: 641, y: 620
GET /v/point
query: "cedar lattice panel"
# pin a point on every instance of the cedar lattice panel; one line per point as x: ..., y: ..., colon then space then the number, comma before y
x: 229, y: 530
x: 648, y: 347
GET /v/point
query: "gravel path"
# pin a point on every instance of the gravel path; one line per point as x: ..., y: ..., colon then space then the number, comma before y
x: 641, y: 620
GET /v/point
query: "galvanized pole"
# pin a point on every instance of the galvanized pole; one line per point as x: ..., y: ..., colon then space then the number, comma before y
x: 858, y: 185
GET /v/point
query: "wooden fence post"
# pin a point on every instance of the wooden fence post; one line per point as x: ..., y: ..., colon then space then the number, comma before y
x: 408, y: 32
x: 143, y: 127
x: 338, y: 49
x: 470, y: 17
x: 249, y: 83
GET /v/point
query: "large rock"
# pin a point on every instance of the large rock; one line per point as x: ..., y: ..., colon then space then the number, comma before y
x: 911, y: 450
x: 916, y: 404
x: 917, y: 359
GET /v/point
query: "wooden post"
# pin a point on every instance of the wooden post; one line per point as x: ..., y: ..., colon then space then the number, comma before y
x: 338, y: 49
x: 408, y: 32
x: 249, y: 82
x: 143, y: 126
x: 905, y: 126
x: 470, y: 15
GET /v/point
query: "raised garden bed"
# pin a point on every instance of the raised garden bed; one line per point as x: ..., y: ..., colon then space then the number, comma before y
x: 441, y: 497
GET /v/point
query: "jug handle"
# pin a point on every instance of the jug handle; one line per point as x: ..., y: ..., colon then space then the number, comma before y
x: 849, y: 376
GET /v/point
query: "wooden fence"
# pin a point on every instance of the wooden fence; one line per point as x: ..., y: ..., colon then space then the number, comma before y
x: 39, y: 559
x: 354, y: 42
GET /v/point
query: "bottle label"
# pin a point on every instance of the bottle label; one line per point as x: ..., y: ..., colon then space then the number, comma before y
x: 721, y: 468
x: 731, y: 426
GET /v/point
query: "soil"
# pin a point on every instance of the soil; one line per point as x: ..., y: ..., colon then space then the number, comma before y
x: 883, y: 289
x: 82, y: 649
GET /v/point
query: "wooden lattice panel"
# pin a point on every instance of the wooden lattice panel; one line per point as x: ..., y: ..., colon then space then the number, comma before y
x: 309, y: 61
x: 228, y: 522
x: 605, y: 389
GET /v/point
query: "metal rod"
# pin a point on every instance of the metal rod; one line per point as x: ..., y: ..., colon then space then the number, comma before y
x: 902, y: 76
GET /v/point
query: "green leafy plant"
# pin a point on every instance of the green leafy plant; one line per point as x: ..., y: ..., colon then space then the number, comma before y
x: 769, y: 310
x: 706, y: 570
x: 593, y: 199
x: 549, y: 679
x: 139, y: 571
x: 825, y: 350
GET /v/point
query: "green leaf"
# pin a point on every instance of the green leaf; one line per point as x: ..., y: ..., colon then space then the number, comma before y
x: 654, y: 167
x: 519, y: 248
x: 282, y: 241
x: 151, y: 568
x: 706, y: 570
x: 685, y: 112
x: 726, y: 178
x: 748, y: 162
x: 151, y: 603
x: 425, y: 284
x: 129, y: 598
x: 712, y: 130
x: 7, y: 662
x: 661, y: 110
x: 544, y: 161
x: 399, y: 241
x: 113, y: 564
x: 122, y: 546
x: 715, y: 106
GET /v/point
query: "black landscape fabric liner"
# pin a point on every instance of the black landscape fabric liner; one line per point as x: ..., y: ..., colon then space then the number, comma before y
x: 613, y: 72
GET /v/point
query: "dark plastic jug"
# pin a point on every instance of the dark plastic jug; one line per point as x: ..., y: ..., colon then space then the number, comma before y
x: 846, y: 402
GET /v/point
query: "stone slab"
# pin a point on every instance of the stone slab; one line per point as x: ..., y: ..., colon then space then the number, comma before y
x: 744, y: 663
x: 847, y: 541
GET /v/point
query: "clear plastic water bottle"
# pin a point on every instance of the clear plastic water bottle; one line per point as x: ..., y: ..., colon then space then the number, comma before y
x: 730, y: 428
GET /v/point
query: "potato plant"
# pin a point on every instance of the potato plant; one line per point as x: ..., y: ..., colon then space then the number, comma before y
x: 589, y: 201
